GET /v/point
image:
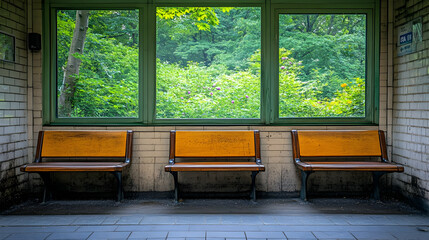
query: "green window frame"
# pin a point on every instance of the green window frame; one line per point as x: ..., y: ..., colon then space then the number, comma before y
x: 269, y: 105
x: 372, y: 63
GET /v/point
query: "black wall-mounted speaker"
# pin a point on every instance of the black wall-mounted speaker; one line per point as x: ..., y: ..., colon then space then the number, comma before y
x: 34, y: 41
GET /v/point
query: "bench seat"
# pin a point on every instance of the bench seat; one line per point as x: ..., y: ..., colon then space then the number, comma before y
x: 215, y: 151
x: 81, y: 151
x: 349, y: 166
x: 74, y: 167
x: 341, y: 150
x: 214, y: 166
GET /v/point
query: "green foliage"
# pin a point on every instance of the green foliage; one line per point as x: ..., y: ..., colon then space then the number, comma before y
x: 121, y: 27
x: 7, y: 47
x: 108, y: 81
x: 107, y: 84
x: 329, y: 46
x: 304, y: 99
x: 209, y: 64
x: 206, y: 92
x: 331, y: 49
x: 230, y: 41
x: 202, y: 17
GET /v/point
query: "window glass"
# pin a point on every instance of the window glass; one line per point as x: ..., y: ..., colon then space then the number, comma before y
x: 322, y: 65
x: 97, y: 63
x: 208, y: 62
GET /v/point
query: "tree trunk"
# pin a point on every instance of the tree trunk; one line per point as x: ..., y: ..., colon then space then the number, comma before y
x: 310, y: 24
x: 331, y: 26
x: 68, y: 86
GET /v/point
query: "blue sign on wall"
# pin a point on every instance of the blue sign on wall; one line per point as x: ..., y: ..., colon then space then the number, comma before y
x: 409, y: 35
x: 406, y: 38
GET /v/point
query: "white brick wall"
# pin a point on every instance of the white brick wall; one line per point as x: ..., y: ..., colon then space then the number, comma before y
x: 411, y: 106
x: 13, y: 104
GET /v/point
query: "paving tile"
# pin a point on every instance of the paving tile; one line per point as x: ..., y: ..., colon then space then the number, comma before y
x: 198, y: 219
x: 265, y: 235
x: 411, y: 235
x: 36, y: 220
x: 49, y: 229
x: 282, y: 228
x: 315, y: 220
x: 338, y: 220
x: 306, y: 235
x: 63, y: 229
x: 134, y: 228
x: 158, y: 220
x: 212, y: 220
x: 373, y: 235
x: 230, y: 220
x: 26, y: 236
x: 55, y: 220
x: 111, y: 220
x: 75, y: 235
x: 224, y: 228
x: 140, y: 235
x: 7, y: 220
x: 329, y: 228
x: 384, y: 220
x: 158, y: 227
x: 225, y: 235
x: 333, y: 235
x: 3, y: 235
x: 361, y: 220
x: 109, y: 235
x: 109, y: 228
x: 268, y: 220
x: 301, y: 238
x: 336, y: 238
x: 349, y: 228
x: 291, y: 220
x: 129, y: 220
x: 89, y: 220
x: 250, y: 220
x: 178, y: 228
x: 186, y: 234
x: 410, y: 219
x: 215, y: 226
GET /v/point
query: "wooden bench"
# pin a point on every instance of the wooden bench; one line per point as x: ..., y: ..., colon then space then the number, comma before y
x: 315, y: 151
x: 81, y: 151
x: 214, y: 145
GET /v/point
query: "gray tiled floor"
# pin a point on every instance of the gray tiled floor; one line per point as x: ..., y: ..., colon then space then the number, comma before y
x: 215, y: 220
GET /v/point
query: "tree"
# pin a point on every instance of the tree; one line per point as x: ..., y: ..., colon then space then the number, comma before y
x: 231, y: 40
x: 209, y: 64
x: 68, y: 86
x: 331, y: 47
x: 123, y: 29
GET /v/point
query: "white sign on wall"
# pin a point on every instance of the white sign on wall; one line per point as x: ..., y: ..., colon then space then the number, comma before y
x: 409, y: 35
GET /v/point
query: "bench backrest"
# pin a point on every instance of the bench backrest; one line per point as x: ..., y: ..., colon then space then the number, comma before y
x: 214, y: 144
x: 84, y: 144
x: 353, y: 143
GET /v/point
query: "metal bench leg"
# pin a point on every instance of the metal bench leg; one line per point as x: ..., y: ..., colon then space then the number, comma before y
x: 176, y: 186
x: 46, y: 177
x: 304, y: 178
x: 120, y: 192
x: 376, y: 184
x: 253, y: 191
